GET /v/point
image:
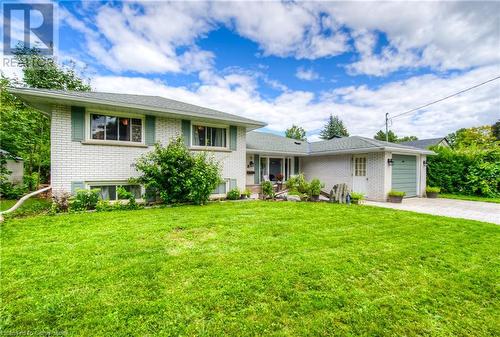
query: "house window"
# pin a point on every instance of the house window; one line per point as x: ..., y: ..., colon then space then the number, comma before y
x: 220, y: 189
x: 209, y: 136
x: 360, y: 166
x: 109, y: 192
x: 115, y: 128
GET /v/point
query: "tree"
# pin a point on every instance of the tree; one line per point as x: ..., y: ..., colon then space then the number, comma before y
x: 406, y: 139
x: 296, y: 132
x: 24, y: 131
x: 380, y: 135
x: 43, y: 72
x: 333, y: 128
x: 495, y: 128
x: 481, y: 137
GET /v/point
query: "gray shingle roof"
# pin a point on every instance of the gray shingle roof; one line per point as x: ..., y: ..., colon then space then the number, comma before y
x: 268, y: 142
x: 424, y: 143
x: 155, y: 103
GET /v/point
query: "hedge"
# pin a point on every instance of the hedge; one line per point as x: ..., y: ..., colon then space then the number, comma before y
x: 466, y: 171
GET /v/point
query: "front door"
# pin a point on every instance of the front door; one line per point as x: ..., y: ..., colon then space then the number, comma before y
x: 359, y: 179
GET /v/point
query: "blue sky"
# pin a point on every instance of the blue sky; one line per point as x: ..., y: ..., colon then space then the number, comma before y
x: 295, y: 63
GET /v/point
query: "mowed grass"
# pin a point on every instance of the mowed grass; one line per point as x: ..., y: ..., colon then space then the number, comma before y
x: 250, y: 269
x: 469, y: 197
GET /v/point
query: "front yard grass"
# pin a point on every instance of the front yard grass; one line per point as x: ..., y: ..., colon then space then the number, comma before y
x: 469, y: 197
x: 250, y: 268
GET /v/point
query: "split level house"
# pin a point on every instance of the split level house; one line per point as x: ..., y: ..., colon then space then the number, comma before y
x: 97, y: 137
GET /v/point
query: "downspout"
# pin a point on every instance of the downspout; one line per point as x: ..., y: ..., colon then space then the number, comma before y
x: 22, y: 200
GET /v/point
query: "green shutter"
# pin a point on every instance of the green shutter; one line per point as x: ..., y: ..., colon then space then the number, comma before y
x: 296, y: 165
x: 150, y: 130
x: 77, y: 185
x: 256, y: 165
x: 233, y: 184
x: 186, y: 132
x: 77, y: 123
x: 233, y: 135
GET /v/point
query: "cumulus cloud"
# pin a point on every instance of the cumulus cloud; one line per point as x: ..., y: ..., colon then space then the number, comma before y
x: 361, y: 108
x: 306, y: 74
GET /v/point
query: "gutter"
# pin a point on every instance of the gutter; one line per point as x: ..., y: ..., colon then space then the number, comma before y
x: 22, y: 200
x: 177, y: 112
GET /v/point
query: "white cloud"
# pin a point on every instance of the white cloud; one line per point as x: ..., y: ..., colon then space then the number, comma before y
x: 361, y: 108
x: 306, y: 74
x: 147, y: 37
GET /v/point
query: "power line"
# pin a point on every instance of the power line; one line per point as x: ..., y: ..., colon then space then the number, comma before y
x: 444, y: 98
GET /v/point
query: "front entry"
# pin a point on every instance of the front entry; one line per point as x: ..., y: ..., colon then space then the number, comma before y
x: 359, y: 178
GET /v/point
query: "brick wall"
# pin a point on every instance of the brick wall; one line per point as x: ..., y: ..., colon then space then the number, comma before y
x: 74, y: 161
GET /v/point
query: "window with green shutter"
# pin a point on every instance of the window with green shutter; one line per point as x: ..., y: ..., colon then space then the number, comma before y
x: 77, y: 123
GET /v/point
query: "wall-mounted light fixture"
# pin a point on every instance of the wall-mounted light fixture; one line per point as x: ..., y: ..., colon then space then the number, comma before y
x: 425, y: 162
x: 390, y: 161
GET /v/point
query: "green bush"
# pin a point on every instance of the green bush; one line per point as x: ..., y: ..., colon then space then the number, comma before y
x: 31, y: 181
x: 467, y: 171
x: 234, y: 194
x: 177, y: 175
x: 267, y: 189
x: 430, y: 189
x: 394, y: 193
x: 84, y: 200
x: 357, y: 196
x: 315, y: 187
x: 104, y: 206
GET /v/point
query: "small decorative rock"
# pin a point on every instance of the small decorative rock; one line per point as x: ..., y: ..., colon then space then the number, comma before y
x: 292, y: 198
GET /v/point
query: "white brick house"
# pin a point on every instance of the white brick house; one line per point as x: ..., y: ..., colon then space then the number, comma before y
x: 97, y: 137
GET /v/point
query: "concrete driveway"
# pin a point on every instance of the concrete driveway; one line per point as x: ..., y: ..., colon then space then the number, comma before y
x: 474, y: 210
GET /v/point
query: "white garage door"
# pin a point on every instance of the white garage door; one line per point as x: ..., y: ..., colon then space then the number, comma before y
x: 404, y: 174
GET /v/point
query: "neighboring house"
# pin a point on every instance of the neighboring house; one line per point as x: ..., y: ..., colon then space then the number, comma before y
x: 426, y: 144
x: 15, y: 165
x: 97, y: 137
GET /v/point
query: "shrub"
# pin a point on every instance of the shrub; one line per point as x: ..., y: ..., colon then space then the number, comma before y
x: 357, y: 196
x: 234, y: 194
x: 315, y: 187
x: 393, y: 193
x: 468, y: 171
x: 85, y: 200
x: 10, y: 191
x: 430, y: 189
x: 31, y: 181
x: 247, y: 193
x: 267, y: 189
x: 123, y: 194
x: 104, y: 206
x: 60, y: 202
x: 177, y: 175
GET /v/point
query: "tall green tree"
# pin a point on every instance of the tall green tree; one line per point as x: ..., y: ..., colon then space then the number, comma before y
x: 495, y: 128
x: 44, y: 72
x: 296, y: 132
x: 380, y: 135
x: 334, y: 128
x: 480, y: 137
x: 407, y: 139
x: 24, y: 131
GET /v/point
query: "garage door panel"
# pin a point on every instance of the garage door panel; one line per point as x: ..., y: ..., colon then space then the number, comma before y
x: 404, y: 174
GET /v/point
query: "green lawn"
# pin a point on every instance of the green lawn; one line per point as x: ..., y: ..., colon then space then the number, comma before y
x: 250, y: 269
x: 31, y: 206
x: 469, y: 197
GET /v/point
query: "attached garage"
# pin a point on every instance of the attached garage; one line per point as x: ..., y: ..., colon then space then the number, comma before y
x: 404, y: 174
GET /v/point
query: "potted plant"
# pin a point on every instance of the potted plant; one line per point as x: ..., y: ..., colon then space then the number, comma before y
x: 396, y: 196
x: 246, y: 194
x: 315, y: 187
x: 432, y: 192
x: 357, y: 198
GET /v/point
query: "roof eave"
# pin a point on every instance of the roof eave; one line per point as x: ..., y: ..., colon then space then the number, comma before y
x: 273, y: 152
x: 26, y: 94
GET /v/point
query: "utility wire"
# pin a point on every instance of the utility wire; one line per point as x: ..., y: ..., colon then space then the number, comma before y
x: 444, y: 98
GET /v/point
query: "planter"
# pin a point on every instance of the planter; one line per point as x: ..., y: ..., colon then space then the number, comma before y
x: 395, y: 199
x: 432, y: 195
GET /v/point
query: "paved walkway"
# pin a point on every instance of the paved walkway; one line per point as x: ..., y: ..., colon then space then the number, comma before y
x: 474, y: 210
